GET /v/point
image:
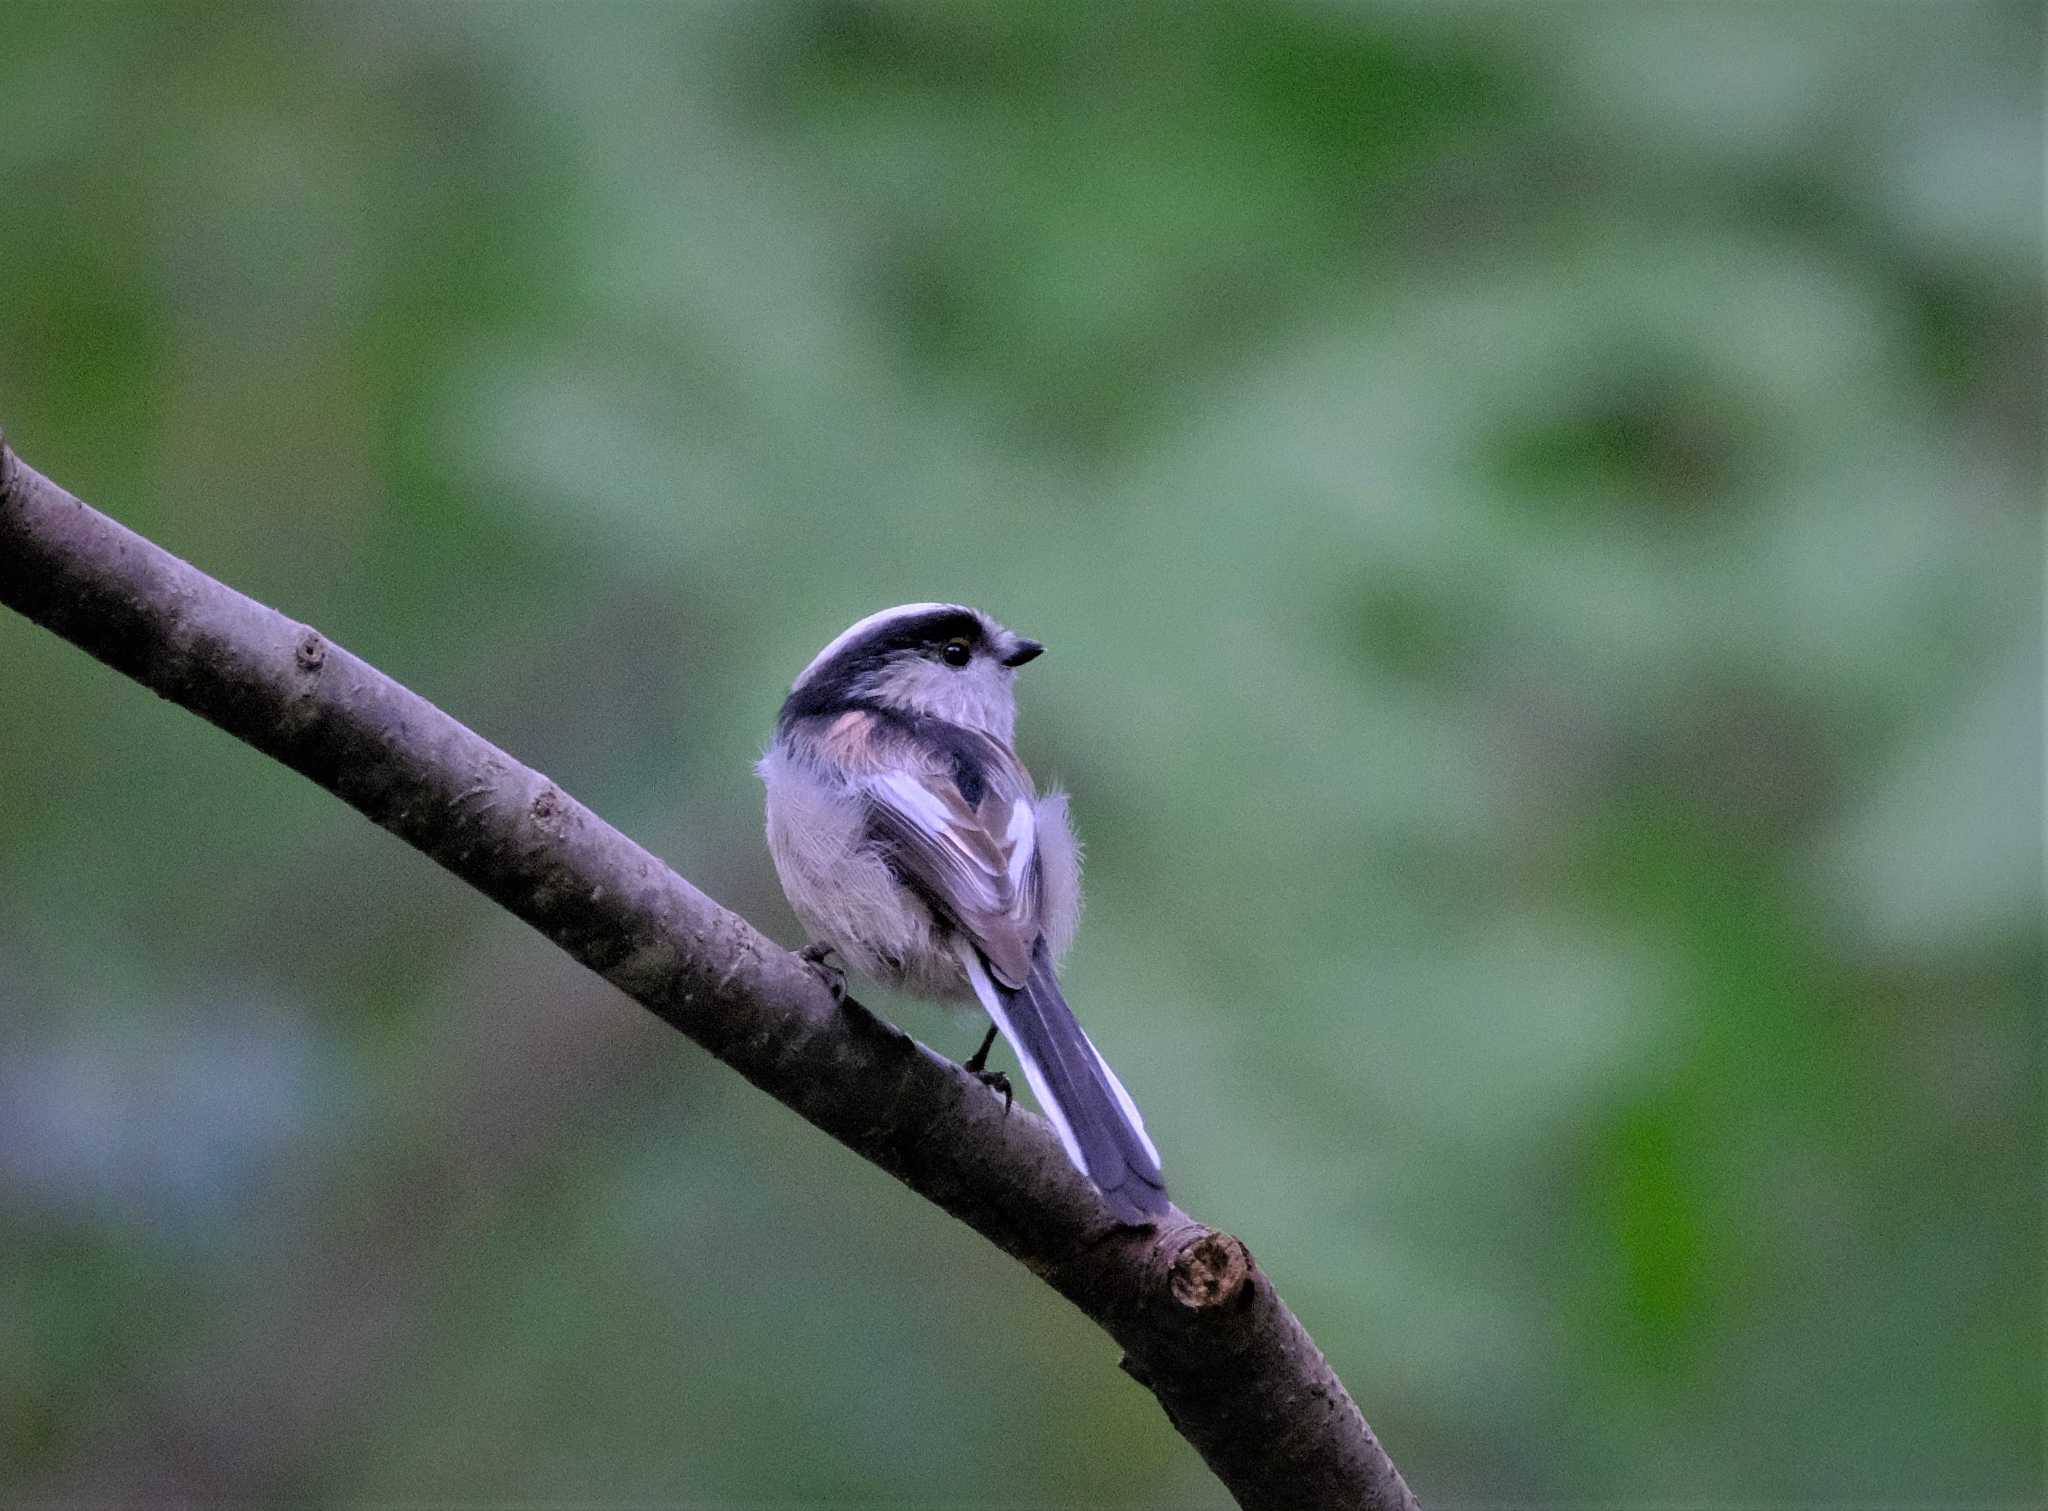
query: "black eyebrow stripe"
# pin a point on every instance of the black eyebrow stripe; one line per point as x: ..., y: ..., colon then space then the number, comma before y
x: 920, y: 629
x: 831, y: 687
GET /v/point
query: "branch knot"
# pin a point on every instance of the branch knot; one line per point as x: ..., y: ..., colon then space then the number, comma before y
x: 1209, y: 1272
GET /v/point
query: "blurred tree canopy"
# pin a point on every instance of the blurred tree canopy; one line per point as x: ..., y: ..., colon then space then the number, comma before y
x: 1537, y: 512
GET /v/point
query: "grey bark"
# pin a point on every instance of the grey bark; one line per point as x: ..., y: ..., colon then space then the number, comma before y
x: 1200, y: 1324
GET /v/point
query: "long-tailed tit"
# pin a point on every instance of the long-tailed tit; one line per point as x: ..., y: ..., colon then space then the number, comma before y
x: 910, y: 840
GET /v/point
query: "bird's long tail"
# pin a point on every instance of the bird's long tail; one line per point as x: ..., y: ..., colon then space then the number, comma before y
x: 1087, y: 1105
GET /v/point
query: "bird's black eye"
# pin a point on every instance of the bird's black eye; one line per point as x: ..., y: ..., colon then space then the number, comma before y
x: 957, y: 652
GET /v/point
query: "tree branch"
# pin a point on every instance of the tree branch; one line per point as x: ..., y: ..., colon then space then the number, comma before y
x: 1200, y: 1324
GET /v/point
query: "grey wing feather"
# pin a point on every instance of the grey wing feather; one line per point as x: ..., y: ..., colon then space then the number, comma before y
x: 1004, y: 872
x: 977, y: 863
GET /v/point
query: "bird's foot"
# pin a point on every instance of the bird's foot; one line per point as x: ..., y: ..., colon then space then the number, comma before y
x: 834, y: 976
x: 979, y: 1058
x: 994, y: 1080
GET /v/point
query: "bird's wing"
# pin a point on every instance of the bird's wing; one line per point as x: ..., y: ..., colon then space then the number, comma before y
x: 957, y: 817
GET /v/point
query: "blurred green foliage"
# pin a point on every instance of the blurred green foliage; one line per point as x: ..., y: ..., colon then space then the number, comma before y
x: 1537, y: 512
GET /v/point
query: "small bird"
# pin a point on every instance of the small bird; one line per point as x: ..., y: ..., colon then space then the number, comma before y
x: 911, y: 841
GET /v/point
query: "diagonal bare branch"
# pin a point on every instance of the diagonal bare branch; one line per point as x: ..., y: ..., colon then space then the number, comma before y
x: 1201, y: 1326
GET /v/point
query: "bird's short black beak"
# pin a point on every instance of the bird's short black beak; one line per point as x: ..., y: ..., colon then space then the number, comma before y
x: 1023, y: 651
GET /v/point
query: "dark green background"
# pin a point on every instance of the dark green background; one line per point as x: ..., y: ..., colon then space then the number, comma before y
x: 1537, y: 513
